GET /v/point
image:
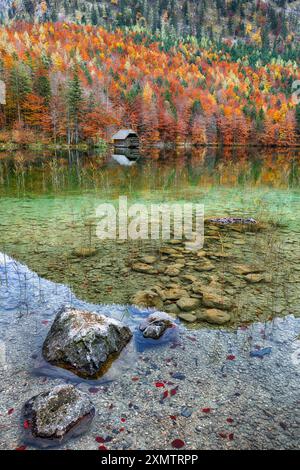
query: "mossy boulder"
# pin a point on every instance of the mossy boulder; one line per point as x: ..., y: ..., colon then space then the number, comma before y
x: 84, y: 342
x: 55, y: 415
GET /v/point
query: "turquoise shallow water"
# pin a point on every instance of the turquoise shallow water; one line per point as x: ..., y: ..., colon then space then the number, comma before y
x: 47, y: 209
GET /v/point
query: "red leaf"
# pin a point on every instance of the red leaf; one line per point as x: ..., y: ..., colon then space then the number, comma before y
x: 178, y: 444
x: 100, y: 439
x: 206, y: 410
x: 26, y: 424
x: 173, y: 391
x: 102, y: 447
x: 21, y: 448
x: 165, y: 395
x: 10, y: 411
x: 123, y: 420
x: 231, y: 437
x: 135, y: 379
x: 159, y: 384
x: 121, y: 429
x: 223, y: 435
x: 231, y: 357
x: 229, y: 420
x: 173, y: 418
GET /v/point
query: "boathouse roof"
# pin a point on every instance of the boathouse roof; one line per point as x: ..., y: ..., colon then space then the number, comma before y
x: 123, y: 134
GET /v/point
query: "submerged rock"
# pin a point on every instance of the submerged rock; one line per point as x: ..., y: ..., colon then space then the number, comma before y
x: 188, y: 304
x: 54, y: 416
x: 144, y: 268
x: 173, y: 270
x: 149, y: 259
x: 204, y: 266
x: 84, y: 342
x: 147, y: 299
x: 233, y: 220
x: 155, y: 325
x: 255, y: 278
x: 244, y: 269
x: 216, y: 317
x: 175, y: 293
x: 216, y: 300
x: 187, y: 317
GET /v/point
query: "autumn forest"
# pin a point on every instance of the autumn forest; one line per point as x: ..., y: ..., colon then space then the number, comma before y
x: 72, y: 83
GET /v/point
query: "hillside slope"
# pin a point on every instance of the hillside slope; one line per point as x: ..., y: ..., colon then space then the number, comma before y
x: 215, y: 18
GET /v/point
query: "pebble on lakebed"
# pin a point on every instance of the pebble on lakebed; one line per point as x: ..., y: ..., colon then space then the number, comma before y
x: 210, y: 285
x: 54, y: 416
x: 84, y: 342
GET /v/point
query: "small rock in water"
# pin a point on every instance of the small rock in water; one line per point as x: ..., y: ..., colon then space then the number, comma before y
x: 214, y: 299
x: 261, y: 352
x: 217, y: 317
x: 244, y: 269
x: 149, y: 259
x: 255, y: 278
x: 173, y: 271
x: 156, y: 325
x: 186, y: 412
x: 175, y: 293
x: 188, y: 304
x: 84, y: 342
x: 188, y: 317
x: 178, y: 376
x: 148, y: 299
x: 144, y: 268
x: 204, y: 266
x: 233, y: 220
x: 58, y: 414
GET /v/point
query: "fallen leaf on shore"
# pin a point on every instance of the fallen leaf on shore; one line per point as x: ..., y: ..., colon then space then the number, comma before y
x: 100, y: 439
x: 178, y: 444
x: 231, y: 437
x: 230, y: 357
x: 206, y: 410
x: 21, y: 448
x: 102, y: 447
x: 159, y: 385
x: 229, y: 420
x: 26, y: 424
x: 173, y: 391
x: 10, y: 411
x: 165, y: 395
x: 223, y: 435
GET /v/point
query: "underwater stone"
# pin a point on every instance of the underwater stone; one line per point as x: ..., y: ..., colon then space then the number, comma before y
x: 148, y: 298
x: 156, y: 325
x: 84, y: 342
x: 217, y: 317
x: 188, y: 304
x: 54, y: 416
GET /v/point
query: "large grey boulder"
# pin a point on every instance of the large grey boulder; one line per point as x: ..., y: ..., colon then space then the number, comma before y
x: 84, y: 342
x: 52, y: 417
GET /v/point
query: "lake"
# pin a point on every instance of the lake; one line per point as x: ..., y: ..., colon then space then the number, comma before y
x: 51, y: 257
